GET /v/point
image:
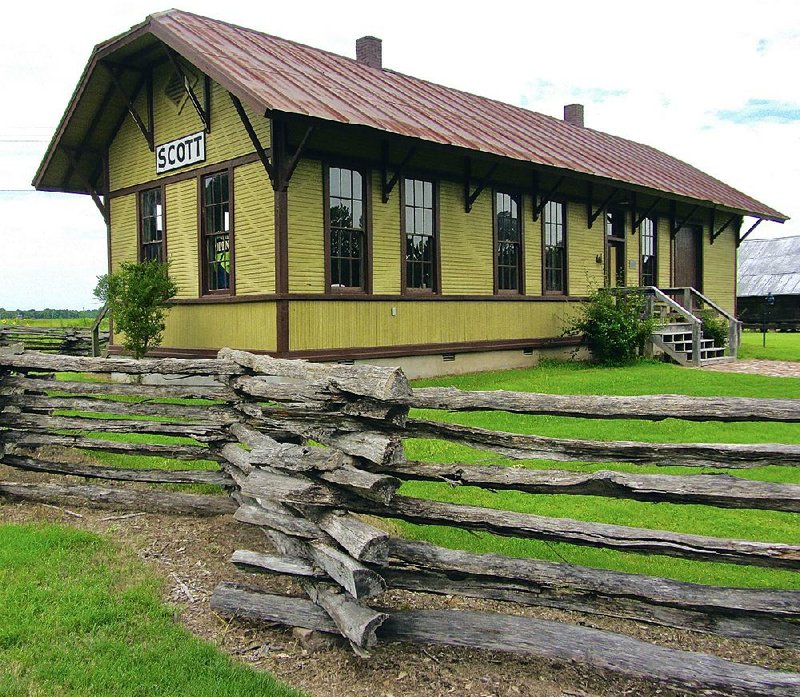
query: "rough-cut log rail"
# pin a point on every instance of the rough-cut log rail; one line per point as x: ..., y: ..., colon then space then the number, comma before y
x: 149, y: 501
x: 763, y: 616
x: 649, y: 407
x: 259, y: 562
x: 385, y: 384
x: 622, y: 538
x: 173, y: 452
x: 604, y: 650
x: 33, y: 362
x: 40, y: 423
x: 215, y: 414
x: 552, y: 640
x: 720, y: 490
x: 521, y: 446
x: 285, y: 456
x: 152, y: 476
x: 107, y: 387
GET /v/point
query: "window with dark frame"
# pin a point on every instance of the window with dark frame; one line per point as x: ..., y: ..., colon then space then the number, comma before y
x: 647, y: 230
x: 151, y: 222
x: 216, y: 232
x: 420, y: 234
x: 555, y: 247
x: 508, y: 253
x: 347, y: 228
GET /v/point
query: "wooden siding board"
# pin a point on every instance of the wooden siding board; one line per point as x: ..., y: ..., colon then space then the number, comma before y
x: 182, y: 247
x: 386, y: 236
x: 254, y: 230
x: 533, y: 248
x: 583, y: 247
x: 465, y: 241
x: 124, y: 240
x: 664, y: 258
x: 306, y: 228
x: 342, y: 324
x: 211, y: 326
x: 719, y: 279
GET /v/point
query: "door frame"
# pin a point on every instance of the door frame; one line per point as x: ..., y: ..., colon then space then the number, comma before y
x: 674, y: 257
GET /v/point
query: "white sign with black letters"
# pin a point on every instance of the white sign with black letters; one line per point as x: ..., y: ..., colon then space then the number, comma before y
x: 181, y: 152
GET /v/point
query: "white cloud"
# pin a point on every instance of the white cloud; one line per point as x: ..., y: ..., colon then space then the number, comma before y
x: 655, y: 72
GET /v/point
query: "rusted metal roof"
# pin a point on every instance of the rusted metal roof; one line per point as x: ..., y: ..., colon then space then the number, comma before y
x: 275, y: 75
x: 769, y: 266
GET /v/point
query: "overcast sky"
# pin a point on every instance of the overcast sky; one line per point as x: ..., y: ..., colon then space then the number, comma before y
x: 712, y: 82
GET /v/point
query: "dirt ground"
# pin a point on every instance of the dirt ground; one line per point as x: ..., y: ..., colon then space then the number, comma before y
x: 191, y: 555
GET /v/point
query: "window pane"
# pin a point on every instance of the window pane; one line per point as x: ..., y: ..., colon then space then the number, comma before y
x: 347, y: 222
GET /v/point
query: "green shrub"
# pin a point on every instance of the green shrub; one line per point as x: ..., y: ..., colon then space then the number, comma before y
x: 137, y: 297
x: 714, y: 327
x: 613, y: 326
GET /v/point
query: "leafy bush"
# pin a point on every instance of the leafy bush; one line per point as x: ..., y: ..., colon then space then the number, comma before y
x: 613, y: 326
x: 714, y: 327
x: 137, y: 297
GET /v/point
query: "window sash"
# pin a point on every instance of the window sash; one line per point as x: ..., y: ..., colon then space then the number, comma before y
x: 216, y: 229
x: 555, y: 250
x: 151, y: 225
x: 420, y: 233
x: 346, y: 208
x: 508, y: 242
x: 649, y: 252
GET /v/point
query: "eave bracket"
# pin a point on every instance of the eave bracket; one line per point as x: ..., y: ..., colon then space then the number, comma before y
x: 388, y: 184
x: 204, y: 112
x: 471, y: 196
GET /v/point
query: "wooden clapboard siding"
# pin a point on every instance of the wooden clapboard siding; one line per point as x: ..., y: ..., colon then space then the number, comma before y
x: 213, y: 325
x: 130, y: 160
x: 719, y: 268
x: 254, y: 233
x: 533, y: 248
x: 465, y: 241
x: 124, y: 238
x: 386, y: 233
x: 181, y: 209
x: 583, y: 245
x: 306, y: 234
x: 664, y: 258
x: 344, y: 324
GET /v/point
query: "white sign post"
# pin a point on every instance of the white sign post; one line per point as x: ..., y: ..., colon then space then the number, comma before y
x: 181, y: 152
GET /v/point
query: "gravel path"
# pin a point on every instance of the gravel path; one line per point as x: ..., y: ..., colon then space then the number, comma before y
x: 775, y: 369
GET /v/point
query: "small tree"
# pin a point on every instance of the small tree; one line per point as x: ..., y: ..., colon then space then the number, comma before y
x: 613, y: 326
x: 137, y: 297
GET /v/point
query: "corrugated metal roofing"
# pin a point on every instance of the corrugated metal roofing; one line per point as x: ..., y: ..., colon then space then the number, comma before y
x: 273, y: 74
x: 769, y: 266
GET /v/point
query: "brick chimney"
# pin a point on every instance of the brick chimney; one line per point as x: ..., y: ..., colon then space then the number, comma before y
x: 573, y: 113
x: 368, y: 51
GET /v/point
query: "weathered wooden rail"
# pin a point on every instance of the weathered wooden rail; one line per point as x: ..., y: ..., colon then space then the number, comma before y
x: 71, y: 341
x: 306, y: 450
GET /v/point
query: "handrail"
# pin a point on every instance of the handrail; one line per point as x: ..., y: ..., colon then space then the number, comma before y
x: 96, y: 330
x: 657, y: 292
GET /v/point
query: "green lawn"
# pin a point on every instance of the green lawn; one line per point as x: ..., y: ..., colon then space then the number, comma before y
x: 81, y: 617
x: 644, y: 378
x: 85, y: 322
x: 781, y: 346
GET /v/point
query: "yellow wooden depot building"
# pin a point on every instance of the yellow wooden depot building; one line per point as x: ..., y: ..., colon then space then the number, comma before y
x: 318, y: 206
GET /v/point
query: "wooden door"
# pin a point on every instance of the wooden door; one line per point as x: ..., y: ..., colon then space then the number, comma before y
x: 688, y: 270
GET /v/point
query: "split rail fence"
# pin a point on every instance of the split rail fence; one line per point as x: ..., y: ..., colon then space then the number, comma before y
x: 313, y: 454
x: 69, y: 341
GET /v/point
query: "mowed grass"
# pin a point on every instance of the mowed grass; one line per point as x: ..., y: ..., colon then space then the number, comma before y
x: 80, y: 322
x: 643, y: 378
x: 81, y: 617
x: 781, y: 346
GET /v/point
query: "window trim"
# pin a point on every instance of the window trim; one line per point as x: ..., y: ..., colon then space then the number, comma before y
x: 654, y: 219
x: 565, y: 291
x: 520, y: 200
x: 139, y: 231
x: 366, y: 270
x: 203, y: 286
x: 437, y: 262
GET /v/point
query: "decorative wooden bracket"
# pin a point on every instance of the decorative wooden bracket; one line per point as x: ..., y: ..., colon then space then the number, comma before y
x: 676, y: 225
x: 544, y: 200
x: 728, y: 223
x: 204, y: 112
x: 638, y: 221
x: 90, y: 188
x: 596, y: 213
x: 471, y: 197
x: 388, y: 184
x: 251, y: 132
x: 295, y: 160
x: 147, y: 132
x: 750, y: 229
